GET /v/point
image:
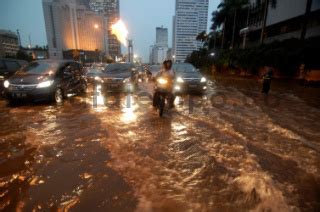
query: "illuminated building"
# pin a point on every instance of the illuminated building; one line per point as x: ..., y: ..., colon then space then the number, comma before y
x: 75, y: 24
x: 110, y: 9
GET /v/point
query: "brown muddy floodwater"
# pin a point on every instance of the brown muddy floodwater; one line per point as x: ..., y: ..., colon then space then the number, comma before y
x: 230, y: 150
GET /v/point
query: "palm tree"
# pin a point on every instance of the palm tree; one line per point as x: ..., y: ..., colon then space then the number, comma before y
x: 219, y: 19
x: 305, y: 20
x: 225, y: 9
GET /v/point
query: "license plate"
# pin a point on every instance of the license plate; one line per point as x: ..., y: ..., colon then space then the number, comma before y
x: 192, y: 86
x: 19, y: 95
x: 113, y: 85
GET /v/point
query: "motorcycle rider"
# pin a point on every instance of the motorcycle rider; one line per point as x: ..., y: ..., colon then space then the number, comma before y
x: 168, y: 73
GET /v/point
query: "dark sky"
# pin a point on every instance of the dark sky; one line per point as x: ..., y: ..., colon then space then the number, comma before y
x: 140, y: 16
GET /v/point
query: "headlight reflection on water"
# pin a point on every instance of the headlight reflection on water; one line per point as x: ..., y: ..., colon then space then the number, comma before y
x: 129, y: 108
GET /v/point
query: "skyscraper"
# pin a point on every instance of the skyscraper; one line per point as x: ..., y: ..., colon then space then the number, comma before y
x: 110, y: 9
x: 162, y: 37
x: 158, y: 52
x: 191, y: 18
x: 73, y: 24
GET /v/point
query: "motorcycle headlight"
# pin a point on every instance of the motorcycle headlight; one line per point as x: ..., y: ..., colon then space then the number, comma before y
x: 203, y: 79
x: 45, y: 84
x: 6, y: 84
x: 180, y: 80
x: 162, y: 81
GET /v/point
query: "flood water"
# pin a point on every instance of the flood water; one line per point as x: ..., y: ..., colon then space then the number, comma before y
x: 232, y: 149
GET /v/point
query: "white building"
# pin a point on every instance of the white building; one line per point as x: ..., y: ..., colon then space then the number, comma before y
x: 191, y: 18
x: 159, y: 51
x: 284, y: 20
x: 9, y: 44
x: 161, y: 37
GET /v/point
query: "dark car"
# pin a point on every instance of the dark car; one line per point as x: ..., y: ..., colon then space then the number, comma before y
x: 8, y: 67
x: 189, y: 79
x: 94, y: 75
x: 119, y: 77
x: 46, y: 79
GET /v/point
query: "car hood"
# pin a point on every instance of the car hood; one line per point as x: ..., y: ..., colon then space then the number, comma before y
x: 28, y: 79
x: 117, y: 75
x: 196, y: 75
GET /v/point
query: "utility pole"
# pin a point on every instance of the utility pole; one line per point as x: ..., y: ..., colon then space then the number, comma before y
x: 19, y: 38
x: 130, y: 51
x: 29, y: 41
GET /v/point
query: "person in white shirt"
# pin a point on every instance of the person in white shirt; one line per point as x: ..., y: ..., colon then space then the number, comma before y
x: 168, y: 73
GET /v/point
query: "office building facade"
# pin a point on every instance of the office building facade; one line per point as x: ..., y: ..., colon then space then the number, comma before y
x: 191, y: 18
x: 72, y: 24
x: 110, y: 10
x: 284, y: 20
x: 9, y: 45
x: 158, y: 52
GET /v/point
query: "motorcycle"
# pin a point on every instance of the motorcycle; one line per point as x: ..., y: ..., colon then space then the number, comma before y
x: 162, y: 92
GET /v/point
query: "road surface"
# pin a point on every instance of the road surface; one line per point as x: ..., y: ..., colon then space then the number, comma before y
x: 230, y: 150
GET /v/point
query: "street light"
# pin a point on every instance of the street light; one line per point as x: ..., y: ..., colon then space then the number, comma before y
x: 96, y: 26
x: 212, y: 54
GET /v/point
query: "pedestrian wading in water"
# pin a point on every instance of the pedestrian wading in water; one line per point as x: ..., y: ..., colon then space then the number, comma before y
x: 266, y: 80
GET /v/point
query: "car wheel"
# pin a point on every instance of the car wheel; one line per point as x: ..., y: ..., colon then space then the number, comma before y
x: 58, y: 95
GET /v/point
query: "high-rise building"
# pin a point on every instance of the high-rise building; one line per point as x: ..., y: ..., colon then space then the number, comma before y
x: 9, y: 45
x: 72, y: 24
x: 110, y: 9
x: 191, y: 18
x: 162, y: 37
x: 158, y: 52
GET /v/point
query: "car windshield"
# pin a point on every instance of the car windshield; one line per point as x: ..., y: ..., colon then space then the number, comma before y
x: 155, y: 69
x: 98, y: 66
x: 41, y: 68
x: 119, y: 68
x: 94, y: 71
x: 184, y: 68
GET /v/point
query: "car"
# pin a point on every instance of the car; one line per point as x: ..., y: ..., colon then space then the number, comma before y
x: 98, y: 66
x: 188, y: 79
x: 94, y: 75
x: 119, y: 77
x: 8, y: 67
x: 46, y: 79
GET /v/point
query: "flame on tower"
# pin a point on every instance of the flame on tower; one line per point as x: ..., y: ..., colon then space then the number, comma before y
x: 119, y: 29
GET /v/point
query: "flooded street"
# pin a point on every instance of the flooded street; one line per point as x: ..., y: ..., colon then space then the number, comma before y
x: 232, y: 149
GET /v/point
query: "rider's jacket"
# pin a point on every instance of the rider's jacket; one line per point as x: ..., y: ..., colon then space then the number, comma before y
x: 168, y: 75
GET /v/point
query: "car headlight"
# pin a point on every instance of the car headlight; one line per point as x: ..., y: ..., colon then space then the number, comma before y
x: 203, y: 79
x: 180, y: 80
x: 97, y: 78
x: 6, y: 84
x: 162, y: 81
x: 45, y: 84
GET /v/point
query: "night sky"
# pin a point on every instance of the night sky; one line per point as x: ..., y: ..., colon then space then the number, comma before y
x: 140, y: 16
